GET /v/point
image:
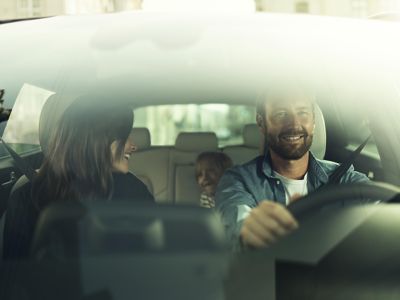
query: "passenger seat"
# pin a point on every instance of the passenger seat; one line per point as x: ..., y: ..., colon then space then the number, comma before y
x: 251, y: 148
x: 150, y: 164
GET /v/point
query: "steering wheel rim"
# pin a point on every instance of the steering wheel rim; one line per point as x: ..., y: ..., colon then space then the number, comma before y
x: 349, y: 192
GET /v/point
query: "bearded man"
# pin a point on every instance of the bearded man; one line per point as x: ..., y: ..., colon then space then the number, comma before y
x: 252, y: 198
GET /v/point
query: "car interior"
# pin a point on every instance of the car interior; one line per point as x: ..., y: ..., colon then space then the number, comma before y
x: 168, y: 172
x: 177, y: 249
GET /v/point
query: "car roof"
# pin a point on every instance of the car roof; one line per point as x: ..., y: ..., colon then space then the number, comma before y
x: 156, y: 58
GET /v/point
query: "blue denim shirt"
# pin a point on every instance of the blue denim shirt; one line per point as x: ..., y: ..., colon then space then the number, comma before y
x: 254, y: 181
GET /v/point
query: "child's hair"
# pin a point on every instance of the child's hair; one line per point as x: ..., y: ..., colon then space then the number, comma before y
x: 219, y: 160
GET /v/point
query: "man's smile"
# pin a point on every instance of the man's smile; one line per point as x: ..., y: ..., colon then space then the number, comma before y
x: 292, y: 138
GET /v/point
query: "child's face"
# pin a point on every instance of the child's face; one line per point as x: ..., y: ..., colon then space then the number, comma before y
x: 208, y: 177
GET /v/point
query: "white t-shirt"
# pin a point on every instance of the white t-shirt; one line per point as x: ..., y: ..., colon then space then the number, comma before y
x: 291, y: 187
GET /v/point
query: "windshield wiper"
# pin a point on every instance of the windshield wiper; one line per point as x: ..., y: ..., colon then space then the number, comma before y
x: 24, y: 19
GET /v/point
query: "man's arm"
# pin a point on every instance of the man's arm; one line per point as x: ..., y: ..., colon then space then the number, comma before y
x: 255, y: 225
x: 353, y: 176
x: 234, y: 201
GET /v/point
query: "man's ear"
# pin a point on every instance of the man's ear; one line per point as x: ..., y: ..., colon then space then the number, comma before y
x: 261, y: 124
x: 262, y: 127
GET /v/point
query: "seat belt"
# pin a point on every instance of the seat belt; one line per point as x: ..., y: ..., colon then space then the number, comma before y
x: 335, y: 177
x: 25, y: 168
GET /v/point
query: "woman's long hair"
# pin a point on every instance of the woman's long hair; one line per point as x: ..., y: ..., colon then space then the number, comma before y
x: 78, y: 163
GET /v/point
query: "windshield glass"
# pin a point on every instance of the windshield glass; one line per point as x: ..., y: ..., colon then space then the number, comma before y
x: 223, y: 153
x: 23, y: 9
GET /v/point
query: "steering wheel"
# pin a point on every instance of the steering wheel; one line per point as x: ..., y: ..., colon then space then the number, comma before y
x: 348, y: 193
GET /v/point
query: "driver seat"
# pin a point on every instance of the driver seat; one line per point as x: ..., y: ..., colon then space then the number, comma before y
x: 318, y: 147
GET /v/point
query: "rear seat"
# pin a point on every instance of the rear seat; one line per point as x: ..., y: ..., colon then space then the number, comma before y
x: 169, y: 172
x: 251, y: 147
x: 183, y: 187
x: 150, y: 164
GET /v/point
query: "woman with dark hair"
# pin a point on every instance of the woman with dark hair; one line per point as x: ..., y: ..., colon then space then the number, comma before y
x: 86, y: 159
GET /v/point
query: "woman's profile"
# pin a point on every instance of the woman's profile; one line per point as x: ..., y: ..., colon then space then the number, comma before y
x: 86, y: 159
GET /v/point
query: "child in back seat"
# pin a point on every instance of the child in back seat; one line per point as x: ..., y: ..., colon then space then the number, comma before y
x: 210, y: 166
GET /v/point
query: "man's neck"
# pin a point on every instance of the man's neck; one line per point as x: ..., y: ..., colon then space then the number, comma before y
x: 294, y: 169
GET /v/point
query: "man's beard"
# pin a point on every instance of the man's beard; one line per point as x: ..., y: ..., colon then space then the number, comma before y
x: 286, y: 150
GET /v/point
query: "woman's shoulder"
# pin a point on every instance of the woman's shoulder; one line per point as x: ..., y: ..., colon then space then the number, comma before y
x: 127, y: 178
x: 128, y: 186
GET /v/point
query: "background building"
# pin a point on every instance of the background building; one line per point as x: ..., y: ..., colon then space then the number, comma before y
x: 345, y: 8
x: 12, y: 9
x: 15, y: 9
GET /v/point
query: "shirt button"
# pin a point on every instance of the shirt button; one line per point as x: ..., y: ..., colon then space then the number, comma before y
x: 278, y: 182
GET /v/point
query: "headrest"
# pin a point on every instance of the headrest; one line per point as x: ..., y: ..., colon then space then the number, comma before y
x: 197, y: 141
x: 318, y: 146
x: 141, y: 138
x: 251, y: 136
x: 51, y: 114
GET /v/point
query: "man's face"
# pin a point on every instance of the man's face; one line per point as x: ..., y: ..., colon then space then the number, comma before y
x: 289, y: 125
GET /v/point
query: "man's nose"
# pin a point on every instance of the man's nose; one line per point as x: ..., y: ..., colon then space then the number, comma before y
x: 293, y: 120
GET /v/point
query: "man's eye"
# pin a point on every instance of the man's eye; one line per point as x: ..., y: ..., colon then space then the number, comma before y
x: 280, y: 114
x: 303, y: 113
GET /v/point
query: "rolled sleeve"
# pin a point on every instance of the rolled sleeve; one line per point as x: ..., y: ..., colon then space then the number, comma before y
x: 354, y: 176
x: 234, y: 202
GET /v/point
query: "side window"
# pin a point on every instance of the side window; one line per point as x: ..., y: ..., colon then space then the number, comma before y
x: 357, y: 131
x: 166, y: 121
x: 21, y: 131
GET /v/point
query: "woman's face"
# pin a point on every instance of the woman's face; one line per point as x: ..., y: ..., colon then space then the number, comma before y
x: 121, y: 164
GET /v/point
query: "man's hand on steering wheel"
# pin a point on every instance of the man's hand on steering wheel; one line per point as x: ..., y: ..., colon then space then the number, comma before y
x: 270, y: 221
x: 266, y: 224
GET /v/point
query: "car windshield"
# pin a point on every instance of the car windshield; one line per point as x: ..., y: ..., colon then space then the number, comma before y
x: 199, y: 149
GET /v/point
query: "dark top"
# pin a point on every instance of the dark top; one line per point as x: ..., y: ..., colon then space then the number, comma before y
x: 129, y: 187
x: 22, y: 214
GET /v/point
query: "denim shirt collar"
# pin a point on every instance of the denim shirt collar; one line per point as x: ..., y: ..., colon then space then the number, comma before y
x: 316, y: 172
